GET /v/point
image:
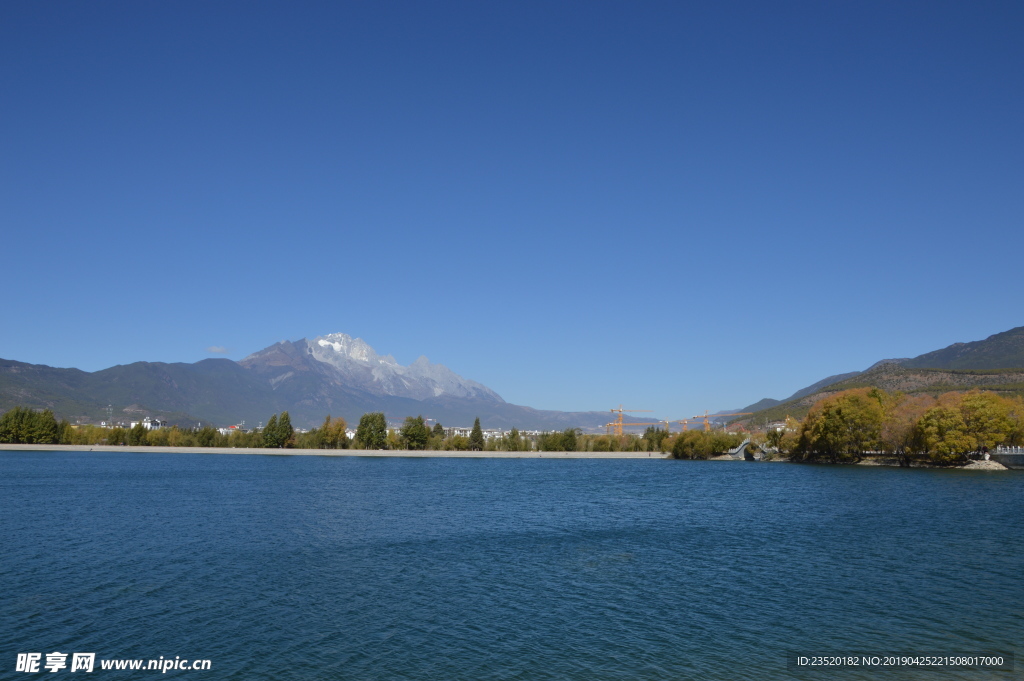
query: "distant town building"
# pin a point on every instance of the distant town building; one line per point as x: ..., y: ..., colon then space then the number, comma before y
x: 489, y: 434
x: 150, y: 423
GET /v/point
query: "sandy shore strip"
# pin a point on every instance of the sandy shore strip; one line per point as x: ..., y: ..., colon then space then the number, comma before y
x: 422, y: 454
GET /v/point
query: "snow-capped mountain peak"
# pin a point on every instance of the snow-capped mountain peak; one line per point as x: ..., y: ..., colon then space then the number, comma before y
x: 352, y: 348
x: 358, y: 365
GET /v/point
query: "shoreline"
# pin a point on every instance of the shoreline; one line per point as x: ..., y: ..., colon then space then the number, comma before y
x: 442, y: 454
x: 884, y: 462
x: 379, y: 453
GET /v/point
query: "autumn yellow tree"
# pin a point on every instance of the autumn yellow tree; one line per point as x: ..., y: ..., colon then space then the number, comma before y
x: 899, y: 435
x: 943, y: 434
x: 986, y: 418
x: 332, y: 433
x: 1015, y: 438
x: 842, y: 426
x: 965, y: 422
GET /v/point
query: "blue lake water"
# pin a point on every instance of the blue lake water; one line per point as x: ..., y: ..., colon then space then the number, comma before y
x: 495, y: 569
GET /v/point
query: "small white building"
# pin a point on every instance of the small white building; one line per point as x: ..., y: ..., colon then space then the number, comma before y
x: 150, y: 423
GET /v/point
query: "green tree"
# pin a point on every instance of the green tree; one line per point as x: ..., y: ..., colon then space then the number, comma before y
x: 415, y: 433
x: 692, y: 444
x: 117, y: 436
x: 569, y: 439
x: 372, y: 432
x: 698, y: 444
x: 42, y: 428
x: 137, y: 435
x: 655, y: 438
x: 312, y: 439
x: 436, y: 440
x: 67, y: 433
x: 271, y: 439
x: 21, y: 425
x: 457, y: 443
x: 604, y: 443
x: 253, y: 439
x: 513, y: 442
x: 13, y: 426
x: 158, y: 437
x: 549, y: 442
x: 187, y: 438
x: 285, y: 432
x: 476, y: 437
x: 207, y: 437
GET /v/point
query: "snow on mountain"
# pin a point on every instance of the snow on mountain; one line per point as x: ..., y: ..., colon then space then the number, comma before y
x: 358, y: 365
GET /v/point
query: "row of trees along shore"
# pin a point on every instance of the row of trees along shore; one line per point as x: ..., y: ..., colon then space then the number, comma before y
x: 844, y: 427
x: 22, y: 425
x: 946, y: 430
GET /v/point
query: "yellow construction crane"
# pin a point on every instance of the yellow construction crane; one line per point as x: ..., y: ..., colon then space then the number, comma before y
x: 707, y: 417
x: 685, y: 423
x: 617, y: 424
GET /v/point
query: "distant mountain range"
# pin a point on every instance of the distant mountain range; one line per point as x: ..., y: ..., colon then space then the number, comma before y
x: 333, y: 374
x: 343, y: 376
x: 996, y: 363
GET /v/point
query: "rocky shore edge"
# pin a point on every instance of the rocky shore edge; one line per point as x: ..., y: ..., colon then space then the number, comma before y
x: 894, y: 463
x: 970, y: 466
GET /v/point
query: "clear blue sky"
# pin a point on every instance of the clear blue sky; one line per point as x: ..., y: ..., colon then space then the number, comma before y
x: 675, y: 206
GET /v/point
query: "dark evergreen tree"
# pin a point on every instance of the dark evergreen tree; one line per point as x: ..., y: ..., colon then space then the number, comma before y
x: 12, y: 425
x: 43, y: 428
x: 654, y: 437
x: 285, y: 432
x: 22, y: 425
x: 476, y: 437
x: 270, y: 434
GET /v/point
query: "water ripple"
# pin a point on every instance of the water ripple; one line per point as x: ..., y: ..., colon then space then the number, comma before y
x: 323, y: 568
